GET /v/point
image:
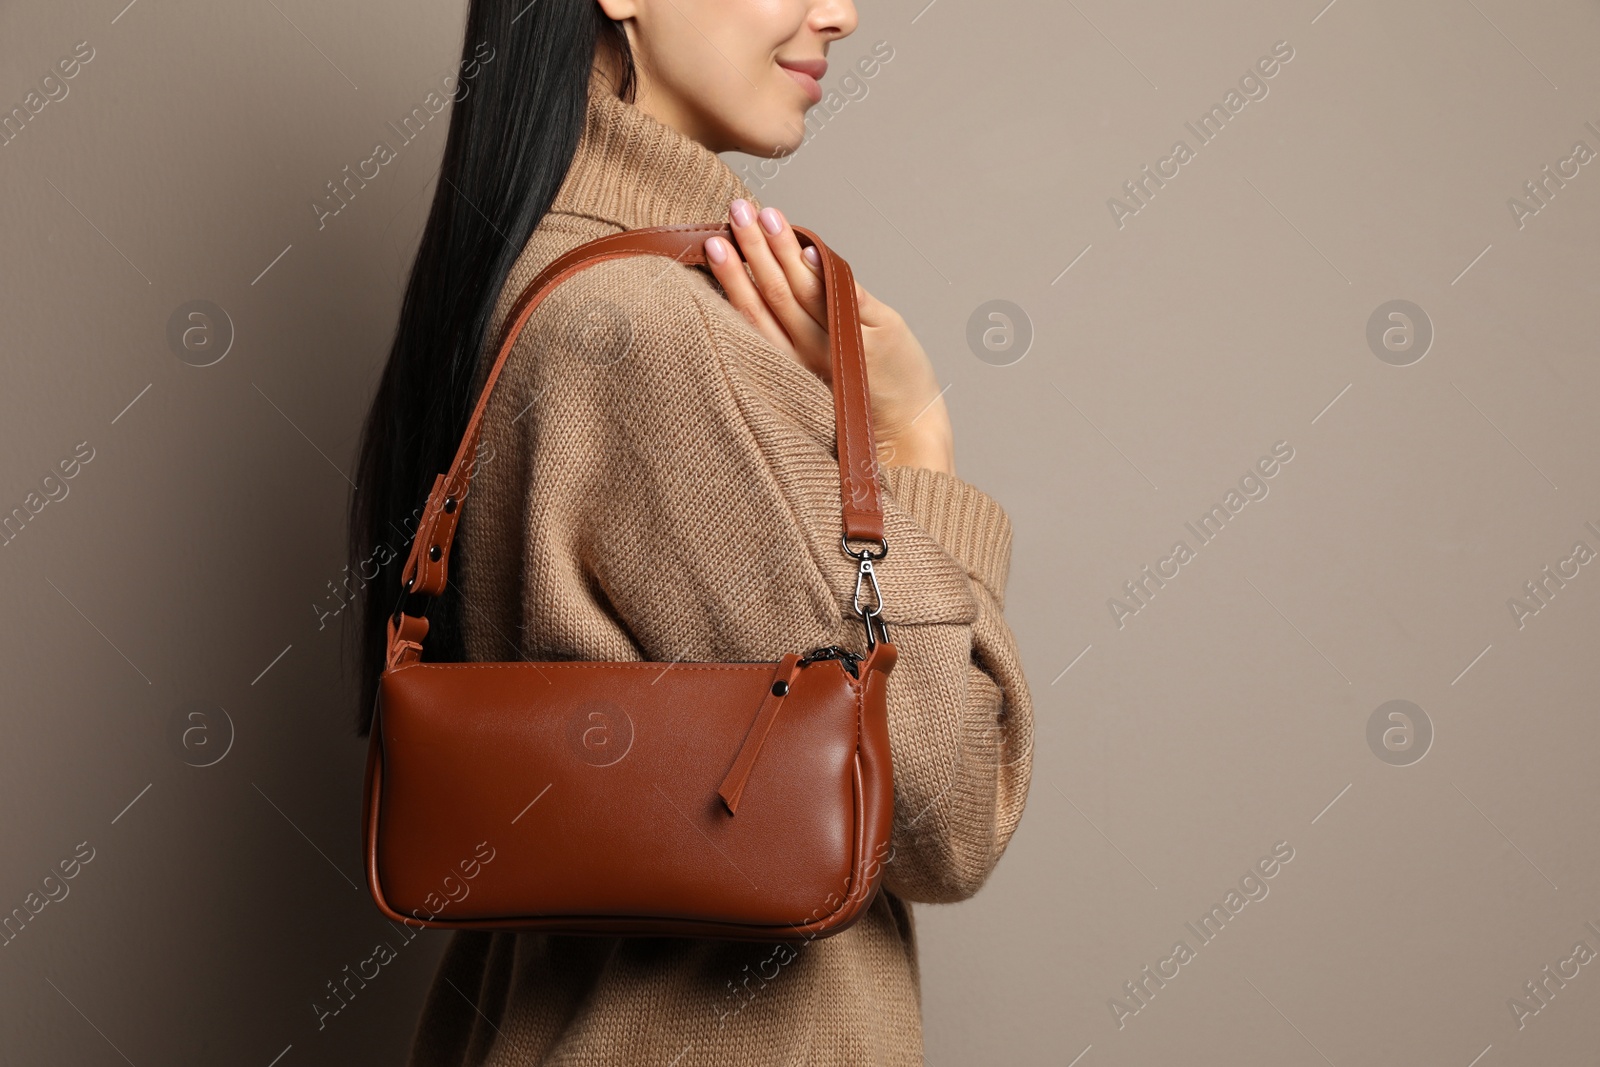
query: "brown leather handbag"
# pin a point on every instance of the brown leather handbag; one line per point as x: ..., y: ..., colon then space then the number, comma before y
x: 688, y: 799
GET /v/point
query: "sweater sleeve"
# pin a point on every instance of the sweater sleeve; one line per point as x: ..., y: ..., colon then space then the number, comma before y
x: 673, y: 515
x: 961, y: 715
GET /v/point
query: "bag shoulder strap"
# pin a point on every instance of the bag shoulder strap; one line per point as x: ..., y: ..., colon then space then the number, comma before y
x: 427, y: 567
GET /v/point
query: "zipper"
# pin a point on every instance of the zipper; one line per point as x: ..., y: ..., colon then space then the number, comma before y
x: 846, y: 658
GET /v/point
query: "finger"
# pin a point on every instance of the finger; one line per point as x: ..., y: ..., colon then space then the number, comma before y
x: 873, y: 311
x: 805, y: 282
x: 729, y: 270
x: 770, y: 280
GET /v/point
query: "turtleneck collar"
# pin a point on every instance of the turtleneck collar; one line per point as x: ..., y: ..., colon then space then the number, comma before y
x: 632, y: 170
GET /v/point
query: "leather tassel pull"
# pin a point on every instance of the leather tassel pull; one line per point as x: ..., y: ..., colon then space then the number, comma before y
x: 733, y: 785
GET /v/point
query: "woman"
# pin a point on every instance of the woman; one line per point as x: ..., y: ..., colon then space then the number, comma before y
x: 656, y: 482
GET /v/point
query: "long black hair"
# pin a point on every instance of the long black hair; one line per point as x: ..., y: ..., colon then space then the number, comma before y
x: 526, y: 69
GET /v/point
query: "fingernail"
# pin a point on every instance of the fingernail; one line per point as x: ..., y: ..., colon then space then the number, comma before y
x: 742, y: 215
x: 810, y: 254
x: 771, y: 221
x: 715, y: 252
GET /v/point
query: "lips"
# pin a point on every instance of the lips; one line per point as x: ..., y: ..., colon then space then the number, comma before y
x: 807, y: 74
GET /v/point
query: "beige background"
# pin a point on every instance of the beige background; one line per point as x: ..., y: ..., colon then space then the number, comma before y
x: 1228, y: 715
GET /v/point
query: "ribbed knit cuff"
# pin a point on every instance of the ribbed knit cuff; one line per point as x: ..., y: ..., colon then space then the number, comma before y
x: 967, y: 522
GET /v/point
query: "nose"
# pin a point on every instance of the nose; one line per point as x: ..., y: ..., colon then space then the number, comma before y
x: 834, y: 19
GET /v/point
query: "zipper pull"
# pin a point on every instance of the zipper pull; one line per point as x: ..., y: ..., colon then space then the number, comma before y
x: 739, y: 774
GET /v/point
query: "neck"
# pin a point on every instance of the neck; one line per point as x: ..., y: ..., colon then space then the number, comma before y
x: 647, y: 97
x: 631, y: 169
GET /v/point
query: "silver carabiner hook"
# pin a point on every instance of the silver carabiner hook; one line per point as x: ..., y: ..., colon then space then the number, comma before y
x: 866, y: 574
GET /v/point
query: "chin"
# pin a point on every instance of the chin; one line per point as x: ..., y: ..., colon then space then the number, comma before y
x: 768, y: 125
x: 779, y: 137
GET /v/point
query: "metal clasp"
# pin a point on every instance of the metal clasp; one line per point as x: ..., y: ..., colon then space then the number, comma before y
x: 409, y: 599
x: 866, y: 575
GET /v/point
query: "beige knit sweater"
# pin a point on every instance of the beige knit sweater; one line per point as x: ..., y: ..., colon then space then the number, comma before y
x: 658, y: 483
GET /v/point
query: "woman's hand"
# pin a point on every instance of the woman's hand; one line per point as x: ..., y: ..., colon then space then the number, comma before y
x: 778, y: 289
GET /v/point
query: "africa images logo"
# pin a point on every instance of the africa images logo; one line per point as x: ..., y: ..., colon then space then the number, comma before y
x: 600, y: 731
x: 1252, y: 888
x: 1252, y: 487
x: 1252, y: 86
